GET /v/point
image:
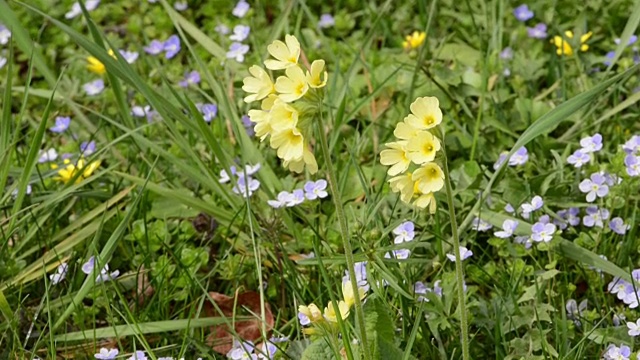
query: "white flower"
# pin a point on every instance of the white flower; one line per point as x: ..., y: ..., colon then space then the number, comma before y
x: 508, y: 227
x: 48, y: 155
x: 106, y: 354
x: 76, y: 10
x: 634, y: 328
x: 60, y: 274
x: 464, y: 254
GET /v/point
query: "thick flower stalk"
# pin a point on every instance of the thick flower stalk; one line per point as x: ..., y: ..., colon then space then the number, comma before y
x: 288, y: 104
x: 416, y: 175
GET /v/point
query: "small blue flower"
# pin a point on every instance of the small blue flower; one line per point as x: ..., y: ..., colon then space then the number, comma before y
x: 138, y: 355
x: 464, y: 254
x: 222, y: 29
x: 171, y: 47
x: 129, y: 56
x: 535, y: 204
x: 595, y: 217
x: 241, y: 9
x: 237, y: 51
x: 316, y: 189
x: 508, y: 228
x: 522, y: 13
x: 539, y: 31
x: 248, y: 125
x: 190, y: 78
x: 400, y: 254
x: 578, y: 158
x: 209, y: 111
x: 506, y: 53
x: 240, y: 33
x: 542, y: 232
x: 62, y: 124
x: 520, y: 157
x: 87, y: 148
x: 107, y: 354
x: 595, y: 186
x: 326, y: 21
x: 404, y: 232
x: 632, y: 163
x: 154, y: 48
x: 632, y: 146
x: 618, y: 226
x: 480, y: 225
x: 5, y: 35
x: 181, y: 6
x: 94, y: 87
x: 591, y: 144
x: 48, y: 156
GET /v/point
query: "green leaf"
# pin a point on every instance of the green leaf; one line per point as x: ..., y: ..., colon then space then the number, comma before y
x: 379, y: 326
x: 318, y: 350
x: 616, y: 335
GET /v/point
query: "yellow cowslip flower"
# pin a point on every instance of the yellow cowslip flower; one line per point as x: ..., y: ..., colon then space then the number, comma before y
x: 286, y: 54
x: 429, y: 178
x: 395, y: 156
x: 293, y: 86
x: 425, y: 200
x: 262, y: 119
x: 414, y: 40
x: 283, y: 116
x: 563, y: 46
x: 405, y: 131
x: 425, y: 113
x: 404, y: 185
x: 312, y: 312
x: 96, y: 66
x: 289, y: 144
x: 308, y: 159
x: 317, y: 78
x: 72, y: 170
x: 330, y: 312
x: 347, y: 293
x: 422, y: 147
x: 259, y: 85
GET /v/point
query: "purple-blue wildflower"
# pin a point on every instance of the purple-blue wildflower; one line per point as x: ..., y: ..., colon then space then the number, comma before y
x: 129, y: 56
x: 508, y: 228
x: 154, y: 48
x: 541, y: 232
x: 578, y: 158
x: 76, y: 10
x: 480, y: 225
x: 617, y: 353
x: 464, y: 254
x: 94, y: 87
x: 535, y: 204
x: 62, y: 124
x: 404, y: 232
x: 520, y: 157
x: 222, y: 29
x: 522, y: 13
x: 104, y: 275
x: 47, y: 155
x: 326, y: 21
x: 501, y: 160
x: 618, y: 226
x: 316, y: 189
x: 595, y: 217
x: 208, y: 111
x: 107, y: 354
x: 241, y: 9
x: 181, y: 6
x: 632, y: 146
x: 171, y: 47
x: 5, y: 35
x: 240, y: 33
x: 190, y: 78
x: 87, y: 148
x: 539, y: 31
x: 506, y: 53
x: 237, y: 51
x: 591, y: 144
x: 632, y: 163
x: 594, y: 187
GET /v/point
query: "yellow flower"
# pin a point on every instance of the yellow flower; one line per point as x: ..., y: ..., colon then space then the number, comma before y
x: 286, y: 54
x: 94, y: 65
x: 423, y: 147
x: 429, y: 178
x: 405, y: 131
x: 259, y: 85
x: 425, y: 113
x: 293, y: 86
x: 347, y: 293
x: 80, y: 169
x: 425, y: 200
x: 290, y: 144
x: 283, y: 116
x: 564, y: 48
x: 331, y: 314
x: 414, y: 40
x: 308, y: 159
x: 404, y: 185
x: 263, y: 124
x: 317, y: 78
x: 312, y: 312
x: 396, y: 157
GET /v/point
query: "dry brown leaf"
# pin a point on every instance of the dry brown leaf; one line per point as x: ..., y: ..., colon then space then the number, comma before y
x: 220, y: 339
x: 144, y: 289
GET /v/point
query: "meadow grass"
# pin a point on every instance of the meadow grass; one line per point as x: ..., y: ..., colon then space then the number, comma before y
x: 175, y: 215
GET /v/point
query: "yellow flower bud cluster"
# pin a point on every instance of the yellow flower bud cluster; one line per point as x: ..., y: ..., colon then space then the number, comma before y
x: 284, y: 113
x: 415, y: 174
x: 69, y: 171
x: 331, y: 313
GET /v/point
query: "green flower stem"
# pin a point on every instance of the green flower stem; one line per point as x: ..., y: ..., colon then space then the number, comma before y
x: 464, y: 331
x: 342, y: 220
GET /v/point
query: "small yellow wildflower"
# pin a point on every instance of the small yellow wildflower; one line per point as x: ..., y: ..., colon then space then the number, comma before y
x: 422, y: 147
x: 289, y: 144
x: 259, y: 85
x: 564, y: 48
x: 395, y: 156
x: 414, y: 40
x: 286, y: 54
x: 425, y: 200
x: 96, y: 66
x: 293, y: 86
x: 317, y: 77
x: 70, y: 171
x: 425, y: 113
x: 262, y: 120
x: 404, y: 185
x: 347, y: 293
x: 330, y: 312
x: 405, y: 131
x: 283, y: 116
x: 429, y: 178
x: 312, y: 312
x: 308, y: 159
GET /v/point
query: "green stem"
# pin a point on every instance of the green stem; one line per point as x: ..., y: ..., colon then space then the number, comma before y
x: 464, y: 331
x: 342, y: 220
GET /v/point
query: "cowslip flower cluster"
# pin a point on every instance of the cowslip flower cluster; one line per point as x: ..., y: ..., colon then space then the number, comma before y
x: 563, y: 44
x: 289, y: 105
x: 312, y: 190
x: 416, y: 175
x: 243, y: 182
x: 323, y: 322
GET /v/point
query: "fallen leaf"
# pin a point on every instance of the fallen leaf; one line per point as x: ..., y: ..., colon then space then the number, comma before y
x: 220, y: 339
